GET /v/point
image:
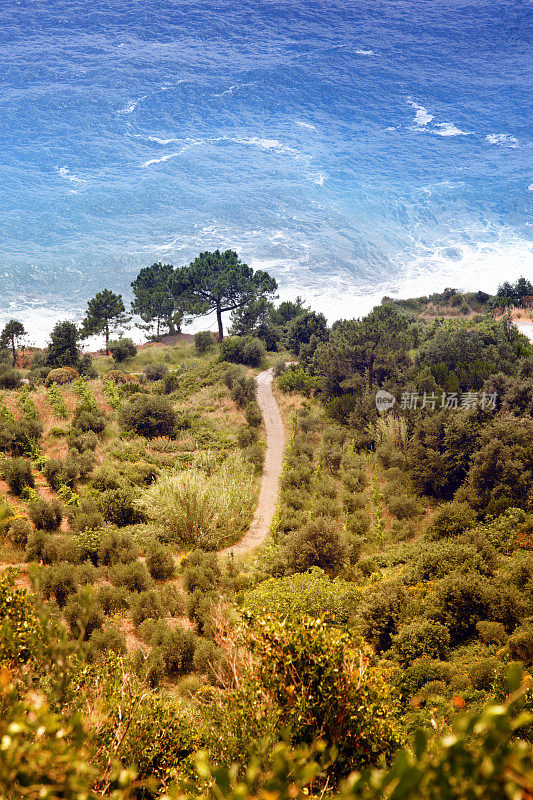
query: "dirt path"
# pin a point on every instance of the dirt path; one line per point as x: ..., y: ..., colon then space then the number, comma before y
x: 275, y: 444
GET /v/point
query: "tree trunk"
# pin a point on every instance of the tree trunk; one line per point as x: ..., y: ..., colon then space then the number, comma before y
x: 219, y: 321
x: 14, y: 351
x: 107, y: 340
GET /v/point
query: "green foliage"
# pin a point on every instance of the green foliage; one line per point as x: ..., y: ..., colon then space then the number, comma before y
x: 243, y: 350
x: 18, y: 474
x: 204, y: 341
x: 146, y: 605
x: 58, y: 581
x: 117, y: 548
x: 451, y: 519
x: 219, y: 282
x: 297, y: 379
x: 105, y: 313
x: 323, y: 680
x: 153, y: 300
x: 12, y: 333
x: 57, y: 402
x: 118, y: 507
x: 160, y: 562
x: 253, y: 414
x: 45, y: 516
x: 10, y: 379
x: 63, y: 350
x: 419, y: 638
x: 122, y: 350
x: 306, y: 594
x: 317, y: 544
x: 83, y: 613
x: 155, y: 372
x: 133, y: 576
x: 19, y: 530
x: 149, y: 416
x: 203, y: 510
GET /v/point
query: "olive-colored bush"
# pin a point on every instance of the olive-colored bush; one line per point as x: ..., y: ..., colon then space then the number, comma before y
x: 45, y: 516
x: 61, y: 375
x: 108, y: 639
x: 160, y: 562
x: 253, y: 414
x: 317, y: 544
x: 482, y: 673
x: 521, y: 644
x: 83, y: 613
x: 117, y: 506
x: 18, y: 474
x: 59, y: 582
x: 155, y: 372
x: 113, y: 598
x: 146, y: 605
x: 451, y: 519
x: 60, y: 547
x: 204, y: 341
x: 133, y: 576
x: 421, y: 637
x: 149, y: 416
x: 19, y: 531
x: 117, y: 548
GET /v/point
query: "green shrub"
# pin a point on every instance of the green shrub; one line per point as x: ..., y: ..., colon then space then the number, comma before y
x: 421, y: 672
x: 19, y: 531
x: 247, y: 436
x: 58, y: 582
x: 117, y: 548
x: 176, y: 646
x: 18, y: 474
x: 155, y: 372
x: 404, y: 506
x: 317, y: 544
x: 452, y: 519
x: 482, y: 674
x: 201, y: 570
x: 83, y: 613
x: 58, y: 473
x: 105, y: 477
x: 112, y: 598
x: 243, y: 350
x: 296, y: 379
x: 61, y: 375
x: 118, y: 507
x: 35, y: 546
x: 243, y: 391
x: 160, y: 562
x: 122, y: 350
x: 203, y: 510
x: 207, y: 657
x: 82, y: 441
x: 173, y: 600
x: 358, y: 523
x: 253, y: 414
x: 380, y: 614
x: 521, y: 644
x: 19, y: 437
x: 204, y: 341
x: 353, y: 501
x: 171, y: 382
x: 60, y: 547
x: 255, y: 456
x: 108, y: 639
x: 45, y: 516
x: 422, y: 637
x: 200, y: 609
x: 149, y: 416
x: 354, y: 480
x: 491, y: 632
x: 146, y: 605
x: 87, y: 419
x: 133, y: 576
x: 10, y: 379
x: 142, y: 473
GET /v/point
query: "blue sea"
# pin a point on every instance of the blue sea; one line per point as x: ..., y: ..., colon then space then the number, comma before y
x: 353, y: 149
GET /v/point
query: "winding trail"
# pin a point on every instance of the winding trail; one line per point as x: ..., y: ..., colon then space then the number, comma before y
x: 275, y: 445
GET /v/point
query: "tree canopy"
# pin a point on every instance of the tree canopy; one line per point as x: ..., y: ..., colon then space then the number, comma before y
x: 105, y: 313
x: 63, y: 350
x: 153, y: 298
x: 219, y: 282
x: 10, y: 336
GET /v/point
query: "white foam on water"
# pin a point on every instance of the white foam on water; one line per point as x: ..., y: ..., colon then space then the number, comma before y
x: 365, y: 52
x: 448, y: 129
x: 131, y: 106
x: 308, y: 125
x: 422, y: 116
x: 504, y: 139
x: 65, y: 173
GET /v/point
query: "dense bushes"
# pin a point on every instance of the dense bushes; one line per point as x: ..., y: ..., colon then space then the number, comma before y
x: 317, y: 544
x: 204, y: 341
x: 243, y: 350
x: 149, y: 416
x: 122, y: 350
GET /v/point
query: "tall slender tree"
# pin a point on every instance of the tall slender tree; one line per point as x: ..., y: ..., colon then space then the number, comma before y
x: 219, y: 282
x: 105, y: 313
x: 11, y: 336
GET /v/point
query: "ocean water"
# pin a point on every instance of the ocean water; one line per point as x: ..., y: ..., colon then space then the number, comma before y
x: 353, y: 149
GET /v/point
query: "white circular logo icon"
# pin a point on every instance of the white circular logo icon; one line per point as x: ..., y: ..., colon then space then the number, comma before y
x: 384, y: 400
